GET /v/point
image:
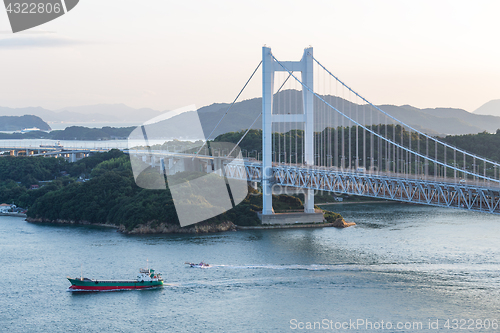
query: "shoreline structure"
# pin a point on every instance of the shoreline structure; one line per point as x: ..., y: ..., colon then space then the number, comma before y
x: 163, y: 228
x: 13, y: 214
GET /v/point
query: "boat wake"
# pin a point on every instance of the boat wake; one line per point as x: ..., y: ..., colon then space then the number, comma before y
x: 421, y: 267
x: 333, y: 267
x: 440, y: 274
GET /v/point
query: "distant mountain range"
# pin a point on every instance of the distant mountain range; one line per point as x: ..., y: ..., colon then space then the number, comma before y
x: 491, y: 108
x: 434, y: 121
x: 100, y: 113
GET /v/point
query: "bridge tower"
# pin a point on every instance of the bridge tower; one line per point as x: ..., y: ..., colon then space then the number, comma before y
x: 269, y: 67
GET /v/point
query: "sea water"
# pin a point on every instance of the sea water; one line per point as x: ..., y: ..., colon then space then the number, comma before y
x: 412, y: 267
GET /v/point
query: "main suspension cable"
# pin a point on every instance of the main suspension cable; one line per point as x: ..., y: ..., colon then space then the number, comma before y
x: 357, y: 123
x: 260, y: 114
x: 397, y: 120
x: 229, y: 108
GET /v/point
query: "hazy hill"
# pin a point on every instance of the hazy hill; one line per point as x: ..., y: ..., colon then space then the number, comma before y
x: 435, y: 121
x: 438, y: 121
x: 491, y: 108
x: 443, y: 120
x: 107, y: 112
x: 100, y: 113
x: 36, y: 111
x: 15, y: 123
x: 85, y: 133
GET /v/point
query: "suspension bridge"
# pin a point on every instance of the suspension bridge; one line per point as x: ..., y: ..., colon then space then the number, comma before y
x: 319, y: 134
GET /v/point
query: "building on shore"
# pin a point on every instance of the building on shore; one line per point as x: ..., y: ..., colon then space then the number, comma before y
x: 5, y: 208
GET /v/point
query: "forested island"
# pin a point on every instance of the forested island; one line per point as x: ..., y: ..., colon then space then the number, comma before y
x: 18, y: 123
x: 73, y: 133
x: 101, y: 190
x: 483, y: 144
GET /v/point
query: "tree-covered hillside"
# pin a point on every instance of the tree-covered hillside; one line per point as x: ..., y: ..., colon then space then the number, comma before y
x: 73, y: 133
x: 483, y: 144
x: 109, y: 195
x: 17, y: 123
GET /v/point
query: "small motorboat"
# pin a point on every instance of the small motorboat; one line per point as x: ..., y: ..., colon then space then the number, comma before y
x: 200, y: 265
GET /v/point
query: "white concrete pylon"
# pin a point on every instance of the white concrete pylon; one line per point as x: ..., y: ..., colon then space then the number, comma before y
x: 269, y: 66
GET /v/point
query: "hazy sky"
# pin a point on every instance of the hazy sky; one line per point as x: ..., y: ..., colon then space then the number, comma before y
x: 168, y: 54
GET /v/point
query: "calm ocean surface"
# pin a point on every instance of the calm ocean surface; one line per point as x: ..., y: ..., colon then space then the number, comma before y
x: 399, y: 264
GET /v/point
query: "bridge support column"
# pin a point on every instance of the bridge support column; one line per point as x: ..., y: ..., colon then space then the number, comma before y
x: 162, y: 165
x: 307, y: 99
x: 269, y: 66
x: 206, y: 166
x: 267, y: 130
x: 171, y: 164
x: 218, y: 166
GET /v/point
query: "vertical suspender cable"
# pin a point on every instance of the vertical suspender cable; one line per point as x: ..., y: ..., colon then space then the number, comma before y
x: 435, y: 159
x: 336, y: 129
x: 343, y: 134
x: 357, y: 136
x: 350, y: 131
x: 229, y: 108
x: 445, y: 168
x: 455, y: 164
x: 364, y: 139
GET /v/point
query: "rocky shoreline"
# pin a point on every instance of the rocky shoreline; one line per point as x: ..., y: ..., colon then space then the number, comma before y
x: 163, y: 228
x: 61, y: 221
x: 13, y: 214
x: 143, y: 229
x: 339, y: 223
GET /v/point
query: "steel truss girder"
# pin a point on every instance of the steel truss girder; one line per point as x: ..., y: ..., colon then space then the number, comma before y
x: 418, y: 191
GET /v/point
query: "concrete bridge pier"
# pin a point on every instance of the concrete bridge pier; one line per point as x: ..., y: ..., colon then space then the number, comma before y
x: 218, y: 166
x: 162, y: 165
x: 206, y: 166
x: 170, y: 166
x: 269, y: 67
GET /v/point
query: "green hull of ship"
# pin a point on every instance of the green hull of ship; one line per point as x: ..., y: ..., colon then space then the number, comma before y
x: 97, y: 285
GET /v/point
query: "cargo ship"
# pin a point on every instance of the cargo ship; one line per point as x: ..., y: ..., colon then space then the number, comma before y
x: 57, y: 145
x: 147, y: 278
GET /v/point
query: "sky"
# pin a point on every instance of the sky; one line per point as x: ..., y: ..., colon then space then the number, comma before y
x: 165, y: 54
